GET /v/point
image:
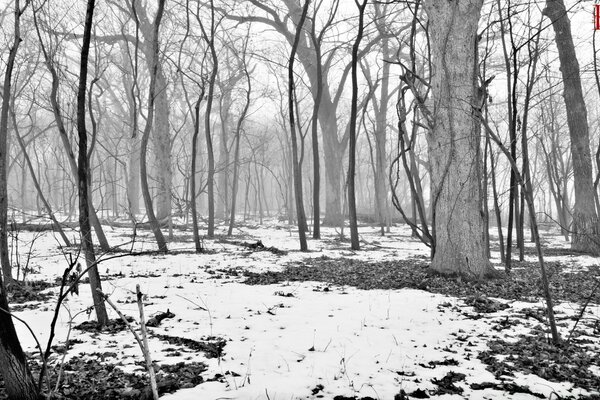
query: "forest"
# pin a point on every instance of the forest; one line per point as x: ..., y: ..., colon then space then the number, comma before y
x: 299, y: 199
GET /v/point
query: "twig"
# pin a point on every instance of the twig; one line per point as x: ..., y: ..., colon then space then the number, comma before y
x: 151, y: 372
x: 137, y: 337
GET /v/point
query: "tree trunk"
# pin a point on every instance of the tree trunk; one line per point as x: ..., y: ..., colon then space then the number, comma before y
x: 83, y: 172
x: 236, y: 155
x: 354, y: 239
x: 18, y: 380
x: 160, y: 134
x: 333, y: 165
x: 193, y: 195
x: 4, y: 149
x: 154, y: 224
x: 300, y: 215
x: 207, y: 121
x: 454, y: 141
x: 36, y: 184
x: 162, y: 149
x: 381, y: 203
x: 64, y: 136
x: 133, y: 180
x: 585, y: 219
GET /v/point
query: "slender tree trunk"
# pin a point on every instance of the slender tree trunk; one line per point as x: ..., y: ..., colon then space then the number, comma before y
x: 236, y: 155
x: 454, y: 142
x: 4, y: 149
x: 315, y: 137
x: 154, y: 224
x: 300, y: 215
x: 193, y: 194
x: 83, y: 172
x: 64, y: 136
x: 354, y: 239
x: 585, y: 218
x: 210, y: 40
x: 36, y: 184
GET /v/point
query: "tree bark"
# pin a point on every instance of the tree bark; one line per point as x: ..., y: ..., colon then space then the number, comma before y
x: 454, y: 141
x: 83, y: 171
x: 4, y: 149
x: 18, y: 380
x: 354, y: 239
x: 300, y: 215
x: 197, y: 243
x: 160, y: 133
x: 64, y: 136
x: 207, y: 120
x: 586, y: 235
x: 154, y: 224
x: 236, y: 155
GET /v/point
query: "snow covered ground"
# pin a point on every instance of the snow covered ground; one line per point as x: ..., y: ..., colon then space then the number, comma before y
x: 292, y: 340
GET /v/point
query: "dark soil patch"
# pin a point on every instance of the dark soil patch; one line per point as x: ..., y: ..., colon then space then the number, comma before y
x: 255, y: 246
x: 211, y: 346
x: 534, y: 355
x: 523, y: 283
x: 30, y: 291
x: 446, y: 385
x: 482, y: 304
x: 113, y: 326
x: 91, y: 379
x: 509, y: 387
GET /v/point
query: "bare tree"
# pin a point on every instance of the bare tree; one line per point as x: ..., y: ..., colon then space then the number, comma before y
x: 209, y: 38
x: 300, y: 215
x: 586, y: 232
x: 154, y: 224
x: 83, y: 173
x: 354, y: 239
x: 238, y: 133
x: 18, y: 380
x: 60, y: 120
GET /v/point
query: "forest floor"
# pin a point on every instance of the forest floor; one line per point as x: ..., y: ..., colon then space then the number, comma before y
x: 248, y: 321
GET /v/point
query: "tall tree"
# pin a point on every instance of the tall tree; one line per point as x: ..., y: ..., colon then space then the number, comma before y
x: 300, y: 215
x: 209, y: 37
x: 83, y: 173
x: 454, y: 141
x: 61, y: 125
x: 154, y: 224
x: 238, y: 134
x: 354, y: 239
x: 586, y: 232
x: 18, y: 380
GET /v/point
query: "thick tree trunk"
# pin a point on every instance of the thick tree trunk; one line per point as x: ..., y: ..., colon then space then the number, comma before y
x: 585, y: 218
x: 161, y: 141
x: 18, y: 380
x: 333, y: 154
x: 454, y: 142
x: 133, y: 180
